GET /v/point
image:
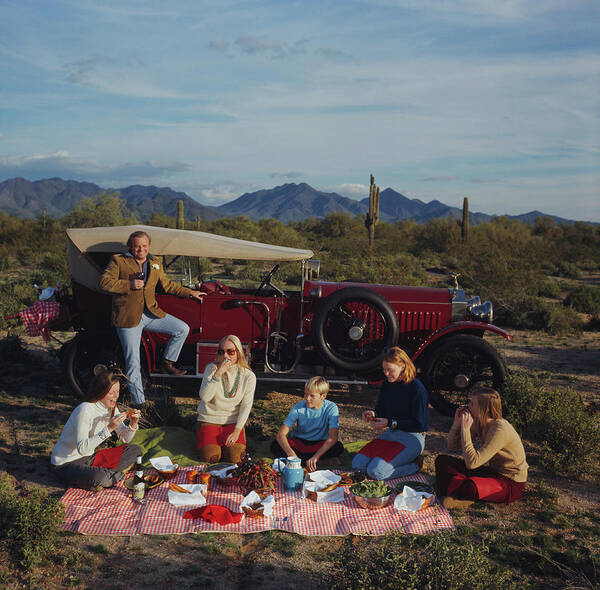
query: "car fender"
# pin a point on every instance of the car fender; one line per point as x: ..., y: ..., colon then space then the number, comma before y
x: 477, y: 328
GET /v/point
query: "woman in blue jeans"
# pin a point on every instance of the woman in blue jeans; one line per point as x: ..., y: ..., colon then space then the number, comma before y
x: 401, y: 415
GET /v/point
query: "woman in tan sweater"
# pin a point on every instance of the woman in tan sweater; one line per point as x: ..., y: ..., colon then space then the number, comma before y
x: 497, y: 471
x: 226, y: 397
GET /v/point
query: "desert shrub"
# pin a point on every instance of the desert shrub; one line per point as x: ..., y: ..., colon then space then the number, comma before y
x: 12, y: 350
x: 161, y: 411
x: 559, y: 320
x: 534, y: 313
x: 29, y: 524
x: 557, y: 418
x: 549, y: 288
x: 593, y: 323
x: 399, y: 269
x: 204, y: 268
x: 585, y: 299
x: 568, y: 270
x: 410, y: 563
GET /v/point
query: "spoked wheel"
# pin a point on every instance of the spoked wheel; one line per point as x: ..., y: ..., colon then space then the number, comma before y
x: 352, y: 327
x: 86, y: 351
x: 460, y: 364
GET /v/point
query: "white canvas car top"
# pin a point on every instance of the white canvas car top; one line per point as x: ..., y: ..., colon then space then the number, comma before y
x: 165, y: 241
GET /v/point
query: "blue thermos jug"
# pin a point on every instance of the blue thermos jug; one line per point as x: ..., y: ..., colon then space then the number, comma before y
x: 293, y: 474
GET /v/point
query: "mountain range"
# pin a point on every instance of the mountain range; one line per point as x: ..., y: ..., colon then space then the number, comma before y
x: 288, y: 202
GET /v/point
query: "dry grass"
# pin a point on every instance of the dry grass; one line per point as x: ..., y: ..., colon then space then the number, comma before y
x: 557, y: 518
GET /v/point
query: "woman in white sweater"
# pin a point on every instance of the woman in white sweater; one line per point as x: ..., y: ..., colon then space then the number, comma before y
x: 74, y: 456
x: 226, y: 397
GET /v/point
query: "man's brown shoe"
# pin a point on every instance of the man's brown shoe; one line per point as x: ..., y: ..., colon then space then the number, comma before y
x: 169, y: 367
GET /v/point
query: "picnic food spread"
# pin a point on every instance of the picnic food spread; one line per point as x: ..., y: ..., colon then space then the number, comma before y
x: 370, y: 489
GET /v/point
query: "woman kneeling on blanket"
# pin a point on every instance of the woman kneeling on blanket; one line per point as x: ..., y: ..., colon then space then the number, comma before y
x: 461, y: 481
x: 403, y: 416
x: 74, y: 456
x: 226, y: 397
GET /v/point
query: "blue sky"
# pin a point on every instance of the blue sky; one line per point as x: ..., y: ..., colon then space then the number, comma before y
x: 495, y: 100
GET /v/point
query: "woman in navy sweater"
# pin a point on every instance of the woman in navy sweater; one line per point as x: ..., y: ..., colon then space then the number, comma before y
x: 402, y: 417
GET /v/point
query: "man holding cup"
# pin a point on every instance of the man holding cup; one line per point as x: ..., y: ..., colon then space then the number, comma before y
x: 132, y: 278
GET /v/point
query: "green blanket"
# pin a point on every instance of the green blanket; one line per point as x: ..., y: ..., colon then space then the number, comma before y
x: 180, y: 446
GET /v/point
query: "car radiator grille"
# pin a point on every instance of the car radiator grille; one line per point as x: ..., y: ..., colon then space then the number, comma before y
x: 415, y: 321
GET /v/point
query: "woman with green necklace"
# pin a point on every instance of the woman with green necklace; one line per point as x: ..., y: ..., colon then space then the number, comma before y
x: 226, y: 397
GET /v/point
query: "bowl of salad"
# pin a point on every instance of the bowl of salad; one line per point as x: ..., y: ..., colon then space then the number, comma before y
x: 371, y: 495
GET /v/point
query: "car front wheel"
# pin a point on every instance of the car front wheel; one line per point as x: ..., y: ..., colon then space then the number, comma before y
x: 458, y: 365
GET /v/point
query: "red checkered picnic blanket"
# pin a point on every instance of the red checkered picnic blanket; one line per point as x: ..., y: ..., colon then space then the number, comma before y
x: 113, y: 512
x: 37, y: 318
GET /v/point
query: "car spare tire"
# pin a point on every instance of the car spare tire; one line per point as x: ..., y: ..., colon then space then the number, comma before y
x: 352, y: 327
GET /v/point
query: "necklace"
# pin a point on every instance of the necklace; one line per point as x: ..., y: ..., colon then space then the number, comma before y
x: 229, y: 393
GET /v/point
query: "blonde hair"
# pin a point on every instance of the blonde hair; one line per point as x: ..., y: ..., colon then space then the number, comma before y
x: 396, y: 356
x: 489, y: 404
x: 318, y: 385
x: 237, y: 344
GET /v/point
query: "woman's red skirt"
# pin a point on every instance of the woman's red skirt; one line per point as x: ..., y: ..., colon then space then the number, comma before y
x: 216, y: 434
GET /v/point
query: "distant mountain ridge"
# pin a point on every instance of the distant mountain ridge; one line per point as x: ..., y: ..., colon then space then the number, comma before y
x: 288, y: 202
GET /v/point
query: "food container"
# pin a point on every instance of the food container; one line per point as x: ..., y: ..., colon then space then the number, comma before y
x: 205, y: 479
x: 169, y: 473
x: 370, y: 503
x: 349, y: 478
x: 257, y: 504
x: 255, y: 510
x: 150, y: 481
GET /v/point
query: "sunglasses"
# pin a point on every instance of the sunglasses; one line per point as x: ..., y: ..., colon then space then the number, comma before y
x: 229, y: 351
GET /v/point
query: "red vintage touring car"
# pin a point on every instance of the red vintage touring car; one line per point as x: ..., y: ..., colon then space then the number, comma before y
x: 338, y: 330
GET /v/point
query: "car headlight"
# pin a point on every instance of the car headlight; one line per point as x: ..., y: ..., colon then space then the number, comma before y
x: 483, y: 312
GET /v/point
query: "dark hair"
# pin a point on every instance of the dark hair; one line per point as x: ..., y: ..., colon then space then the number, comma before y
x: 137, y: 234
x: 101, y: 384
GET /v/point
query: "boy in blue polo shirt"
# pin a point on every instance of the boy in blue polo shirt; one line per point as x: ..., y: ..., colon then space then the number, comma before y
x: 312, y: 425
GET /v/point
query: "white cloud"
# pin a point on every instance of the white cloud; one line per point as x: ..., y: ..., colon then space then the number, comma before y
x: 253, y: 44
x: 219, y: 44
x: 216, y: 193
x: 291, y: 174
x: 62, y: 164
x: 352, y: 190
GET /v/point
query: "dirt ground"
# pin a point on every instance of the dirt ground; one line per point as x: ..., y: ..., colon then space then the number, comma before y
x: 35, y: 403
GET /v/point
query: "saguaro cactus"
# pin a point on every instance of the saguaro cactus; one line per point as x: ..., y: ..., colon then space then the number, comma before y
x: 180, y: 217
x: 464, y: 226
x: 372, y: 216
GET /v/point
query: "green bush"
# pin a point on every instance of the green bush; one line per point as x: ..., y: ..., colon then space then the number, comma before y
x: 549, y: 288
x: 585, y: 299
x: 12, y: 350
x: 29, y: 524
x: 557, y: 418
x: 559, y: 320
x: 593, y: 323
x: 534, y: 313
x: 568, y: 270
x: 439, y: 562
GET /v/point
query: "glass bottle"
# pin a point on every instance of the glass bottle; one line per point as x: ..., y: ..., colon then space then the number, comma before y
x: 139, y: 486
